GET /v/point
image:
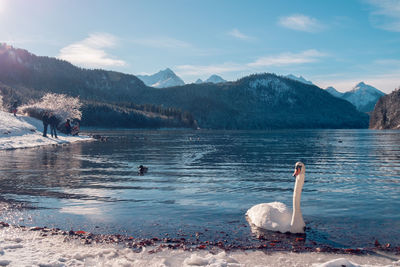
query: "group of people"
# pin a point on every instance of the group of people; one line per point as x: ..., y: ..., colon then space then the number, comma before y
x: 49, y: 118
x: 71, y: 129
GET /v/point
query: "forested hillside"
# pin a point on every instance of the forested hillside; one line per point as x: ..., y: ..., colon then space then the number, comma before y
x: 262, y: 101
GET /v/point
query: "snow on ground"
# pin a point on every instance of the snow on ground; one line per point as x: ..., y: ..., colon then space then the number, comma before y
x: 24, y: 132
x: 29, y: 248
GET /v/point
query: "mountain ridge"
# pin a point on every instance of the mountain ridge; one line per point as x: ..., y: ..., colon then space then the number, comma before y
x: 300, y: 79
x: 362, y: 96
x: 259, y: 101
x: 215, y: 79
x: 334, y: 92
x: 162, y: 79
x: 262, y: 101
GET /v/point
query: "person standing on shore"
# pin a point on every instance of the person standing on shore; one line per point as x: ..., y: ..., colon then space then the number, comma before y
x: 14, y: 108
x: 45, y: 119
x: 53, y: 125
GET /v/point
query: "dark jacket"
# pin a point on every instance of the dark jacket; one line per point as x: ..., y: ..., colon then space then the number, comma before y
x: 53, y: 120
x: 45, y: 119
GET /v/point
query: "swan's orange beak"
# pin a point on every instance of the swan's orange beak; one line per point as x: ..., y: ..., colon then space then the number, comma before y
x: 296, y: 172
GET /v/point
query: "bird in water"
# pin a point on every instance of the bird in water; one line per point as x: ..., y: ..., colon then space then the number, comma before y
x: 276, y: 216
x: 142, y: 169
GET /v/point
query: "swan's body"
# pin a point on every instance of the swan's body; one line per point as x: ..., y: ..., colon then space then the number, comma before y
x: 276, y: 216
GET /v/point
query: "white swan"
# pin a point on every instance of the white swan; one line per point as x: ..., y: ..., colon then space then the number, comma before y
x: 276, y: 216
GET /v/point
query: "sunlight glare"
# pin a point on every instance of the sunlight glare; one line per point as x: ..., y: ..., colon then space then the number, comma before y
x: 2, y: 5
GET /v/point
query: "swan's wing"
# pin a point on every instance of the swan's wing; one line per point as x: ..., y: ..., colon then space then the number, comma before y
x: 274, y: 216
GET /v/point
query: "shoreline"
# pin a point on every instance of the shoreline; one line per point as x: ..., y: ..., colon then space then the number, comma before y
x: 18, y: 132
x: 158, y: 243
x: 37, y: 140
x: 54, y: 247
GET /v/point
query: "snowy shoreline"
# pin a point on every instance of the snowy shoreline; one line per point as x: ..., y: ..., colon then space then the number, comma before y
x: 33, y: 247
x: 26, y: 132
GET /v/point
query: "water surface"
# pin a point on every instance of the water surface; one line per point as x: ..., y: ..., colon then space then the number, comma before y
x: 201, y: 183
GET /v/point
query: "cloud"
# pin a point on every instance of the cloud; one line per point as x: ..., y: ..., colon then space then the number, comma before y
x: 284, y: 59
x: 307, y: 56
x: 161, y: 42
x: 301, y: 22
x: 239, y: 35
x: 90, y: 52
x: 386, y: 14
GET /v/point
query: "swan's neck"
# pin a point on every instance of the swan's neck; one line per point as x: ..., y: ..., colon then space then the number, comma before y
x: 297, y: 224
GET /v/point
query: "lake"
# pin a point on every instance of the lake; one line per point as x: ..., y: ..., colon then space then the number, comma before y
x: 200, y: 184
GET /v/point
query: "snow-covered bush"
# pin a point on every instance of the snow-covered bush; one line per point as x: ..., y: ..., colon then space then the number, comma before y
x: 62, y: 106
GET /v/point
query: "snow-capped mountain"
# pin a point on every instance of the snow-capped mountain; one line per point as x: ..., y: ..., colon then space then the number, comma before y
x: 162, y: 79
x: 300, y: 79
x: 362, y: 96
x: 259, y: 101
x: 334, y: 92
x: 212, y: 79
x: 215, y: 79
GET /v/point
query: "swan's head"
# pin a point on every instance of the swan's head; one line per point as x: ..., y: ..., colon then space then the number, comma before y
x: 299, y: 168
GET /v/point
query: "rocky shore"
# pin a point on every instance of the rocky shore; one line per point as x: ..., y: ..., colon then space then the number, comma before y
x: 20, y: 245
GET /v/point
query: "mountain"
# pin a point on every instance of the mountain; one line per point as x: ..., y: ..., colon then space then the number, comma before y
x: 215, y: 79
x: 21, y: 69
x: 162, y: 79
x: 386, y: 114
x: 363, y: 97
x: 262, y: 101
x: 212, y: 79
x: 334, y: 92
x: 105, y: 94
x: 300, y: 79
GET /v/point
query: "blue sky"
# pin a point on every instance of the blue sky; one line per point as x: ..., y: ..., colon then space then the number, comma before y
x: 330, y: 42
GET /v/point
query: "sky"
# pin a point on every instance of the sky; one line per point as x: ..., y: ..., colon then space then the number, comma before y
x: 335, y: 43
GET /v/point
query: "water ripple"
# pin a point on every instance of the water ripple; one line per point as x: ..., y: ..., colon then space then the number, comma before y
x: 199, y: 178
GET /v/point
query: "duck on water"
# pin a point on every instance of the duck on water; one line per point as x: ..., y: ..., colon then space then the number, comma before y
x: 276, y: 216
x: 142, y: 169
